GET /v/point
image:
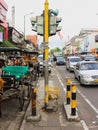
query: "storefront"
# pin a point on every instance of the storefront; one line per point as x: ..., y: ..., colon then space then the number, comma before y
x: 3, y: 24
x: 14, y: 36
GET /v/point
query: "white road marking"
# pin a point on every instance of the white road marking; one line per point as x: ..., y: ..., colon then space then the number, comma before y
x: 84, y: 125
x: 82, y: 121
x: 61, y: 82
x: 91, y: 105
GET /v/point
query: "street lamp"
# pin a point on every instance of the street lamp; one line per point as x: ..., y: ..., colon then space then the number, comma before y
x: 24, y: 21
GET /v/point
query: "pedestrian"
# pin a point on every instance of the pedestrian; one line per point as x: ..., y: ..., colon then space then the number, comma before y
x: 55, y: 60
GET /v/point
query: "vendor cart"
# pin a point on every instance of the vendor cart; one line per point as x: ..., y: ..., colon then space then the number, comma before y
x: 14, y: 82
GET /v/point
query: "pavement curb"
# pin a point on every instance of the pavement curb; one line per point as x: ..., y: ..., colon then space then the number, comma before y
x: 68, y: 113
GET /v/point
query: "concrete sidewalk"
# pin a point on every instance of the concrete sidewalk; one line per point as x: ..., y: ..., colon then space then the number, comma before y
x: 54, y: 120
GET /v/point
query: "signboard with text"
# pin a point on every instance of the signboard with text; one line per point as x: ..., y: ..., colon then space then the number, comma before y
x: 3, y: 12
x: 16, y: 36
x: 1, y: 36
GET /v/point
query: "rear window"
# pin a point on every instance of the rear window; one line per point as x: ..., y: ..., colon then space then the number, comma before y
x: 89, y: 58
x: 75, y: 59
x: 60, y: 58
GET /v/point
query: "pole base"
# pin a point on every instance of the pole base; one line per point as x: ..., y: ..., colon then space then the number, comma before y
x: 50, y: 108
x: 34, y: 118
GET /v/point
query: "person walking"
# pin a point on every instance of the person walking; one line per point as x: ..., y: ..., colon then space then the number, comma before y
x: 54, y: 60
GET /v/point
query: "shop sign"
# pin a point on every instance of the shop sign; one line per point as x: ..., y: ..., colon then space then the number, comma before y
x: 1, y: 36
x: 2, y: 14
x: 16, y: 37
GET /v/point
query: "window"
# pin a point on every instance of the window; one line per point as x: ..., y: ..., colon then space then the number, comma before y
x: 96, y: 38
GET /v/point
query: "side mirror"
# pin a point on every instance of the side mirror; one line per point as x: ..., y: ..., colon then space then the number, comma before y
x: 76, y: 67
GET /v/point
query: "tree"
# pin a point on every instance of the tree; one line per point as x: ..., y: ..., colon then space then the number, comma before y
x: 56, y: 50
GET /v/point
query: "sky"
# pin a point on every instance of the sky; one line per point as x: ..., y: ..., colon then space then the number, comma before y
x: 75, y: 14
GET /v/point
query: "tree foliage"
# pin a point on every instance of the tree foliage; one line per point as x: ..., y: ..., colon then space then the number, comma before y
x: 57, y: 49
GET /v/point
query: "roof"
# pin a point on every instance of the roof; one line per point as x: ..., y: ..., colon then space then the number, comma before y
x: 73, y: 57
x: 7, y: 44
x: 6, y: 49
x: 87, y: 62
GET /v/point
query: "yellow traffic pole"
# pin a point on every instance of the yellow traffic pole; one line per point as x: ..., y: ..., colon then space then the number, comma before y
x: 1, y: 93
x: 73, y: 101
x: 68, y: 92
x: 46, y: 21
x: 46, y: 38
x: 34, y: 101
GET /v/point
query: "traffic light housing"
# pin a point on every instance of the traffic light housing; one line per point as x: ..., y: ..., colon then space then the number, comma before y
x: 40, y: 23
x: 34, y: 24
x: 53, y: 25
x: 37, y: 24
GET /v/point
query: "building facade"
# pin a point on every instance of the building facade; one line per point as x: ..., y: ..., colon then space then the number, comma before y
x: 3, y: 24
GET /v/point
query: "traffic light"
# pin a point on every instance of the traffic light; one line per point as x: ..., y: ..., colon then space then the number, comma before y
x: 34, y: 24
x: 40, y: 23
x: 37, y: 24
x: 58, y: 20
x: 53, y: 25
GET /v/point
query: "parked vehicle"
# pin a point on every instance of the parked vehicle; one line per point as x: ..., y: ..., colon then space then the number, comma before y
x: 41, y: 64
x: 87, y: 72
x: 71, y: 62
x: 89, y: 58
x: 60, y: 60
x: 16, y: 75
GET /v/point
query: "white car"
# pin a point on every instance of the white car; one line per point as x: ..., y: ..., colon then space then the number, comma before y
x: 87, y: 72
x: 89, y: 58
x: 71, y: 62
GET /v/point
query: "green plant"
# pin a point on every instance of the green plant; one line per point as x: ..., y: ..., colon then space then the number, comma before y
x: 7, y: 44
x: 1, y: 29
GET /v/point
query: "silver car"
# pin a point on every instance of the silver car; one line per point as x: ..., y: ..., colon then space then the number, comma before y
x: 71, y: 62
x: 41, y: 64
x: 87, y: 72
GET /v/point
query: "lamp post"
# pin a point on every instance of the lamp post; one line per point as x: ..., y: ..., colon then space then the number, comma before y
x: 25, y: 20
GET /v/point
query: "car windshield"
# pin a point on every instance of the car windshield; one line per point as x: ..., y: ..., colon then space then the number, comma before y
x: 89, y: 66
x: 60, y: 58
x: 75, y: 59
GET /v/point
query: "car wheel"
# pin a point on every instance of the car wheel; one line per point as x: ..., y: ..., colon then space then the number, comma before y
x: 80, y: 81
x: 66, y: 67
x: 75, y: 76
x: 69, y: 69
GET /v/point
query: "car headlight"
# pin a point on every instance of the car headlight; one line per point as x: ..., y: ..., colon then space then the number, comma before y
x: 86, y: 76
x: 71, y: 65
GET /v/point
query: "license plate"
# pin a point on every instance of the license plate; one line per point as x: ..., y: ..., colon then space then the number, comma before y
x: 96, y: 80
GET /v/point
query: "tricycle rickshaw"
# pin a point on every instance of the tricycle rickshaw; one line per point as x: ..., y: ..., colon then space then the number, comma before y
x: 30, y: 58
x: 15, y: 78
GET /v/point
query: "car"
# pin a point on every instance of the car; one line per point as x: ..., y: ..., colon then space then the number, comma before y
x: 60, y: 60
x: 71, y: 61
x: 87, y: 72
x: 89, y: 58
x: 41, y: 64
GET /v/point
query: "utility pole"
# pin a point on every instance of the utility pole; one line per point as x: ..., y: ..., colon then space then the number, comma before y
x: 45, y: 41
x: 46, y: 25
x: 25, y: 22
